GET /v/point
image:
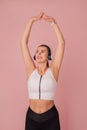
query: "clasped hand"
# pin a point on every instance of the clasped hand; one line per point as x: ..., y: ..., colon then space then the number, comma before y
x: 42, y: 15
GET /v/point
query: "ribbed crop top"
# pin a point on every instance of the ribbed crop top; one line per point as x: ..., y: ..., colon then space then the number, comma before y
x: 42, y: 86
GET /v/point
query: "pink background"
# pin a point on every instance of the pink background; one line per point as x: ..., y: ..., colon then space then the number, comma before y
x: 71, y: 93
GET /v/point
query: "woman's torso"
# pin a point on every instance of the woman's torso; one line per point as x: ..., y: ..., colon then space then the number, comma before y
x: 40, y: 106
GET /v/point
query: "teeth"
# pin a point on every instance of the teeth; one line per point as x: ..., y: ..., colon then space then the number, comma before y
x: 39, y: 57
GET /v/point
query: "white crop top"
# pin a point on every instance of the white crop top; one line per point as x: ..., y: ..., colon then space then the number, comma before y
x: 42, y: 86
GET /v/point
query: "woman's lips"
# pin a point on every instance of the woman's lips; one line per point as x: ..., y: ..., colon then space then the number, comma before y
x: 39, y: 57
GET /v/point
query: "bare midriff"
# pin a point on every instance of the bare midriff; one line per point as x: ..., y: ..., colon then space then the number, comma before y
x: 40, y: 106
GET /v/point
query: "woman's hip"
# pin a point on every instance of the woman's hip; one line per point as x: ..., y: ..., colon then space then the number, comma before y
x: 42, y: 117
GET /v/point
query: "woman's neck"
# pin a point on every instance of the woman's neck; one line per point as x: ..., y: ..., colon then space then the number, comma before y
x: 42, y: 68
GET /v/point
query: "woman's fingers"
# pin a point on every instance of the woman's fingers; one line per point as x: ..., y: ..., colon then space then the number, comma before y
x: 48, y: 18
x: 38, y: 17
x: 41, y: 14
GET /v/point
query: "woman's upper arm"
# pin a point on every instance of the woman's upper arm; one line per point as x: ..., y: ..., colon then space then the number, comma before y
x: 29, y: 63
x: 57, y: 61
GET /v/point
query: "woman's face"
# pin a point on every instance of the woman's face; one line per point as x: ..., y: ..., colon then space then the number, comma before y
x: 41, y: 54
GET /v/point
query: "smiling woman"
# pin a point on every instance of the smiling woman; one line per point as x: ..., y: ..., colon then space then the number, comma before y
x: 43, y: 51
x: 42, y: 113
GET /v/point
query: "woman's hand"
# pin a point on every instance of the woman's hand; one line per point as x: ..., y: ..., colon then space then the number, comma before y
x: 48, y: 18
x: 36, y: 18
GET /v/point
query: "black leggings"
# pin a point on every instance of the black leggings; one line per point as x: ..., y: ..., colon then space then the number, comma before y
x: 48, y: 120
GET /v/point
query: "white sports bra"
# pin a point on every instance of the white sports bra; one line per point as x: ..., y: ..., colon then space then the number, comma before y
x: 42, y: 86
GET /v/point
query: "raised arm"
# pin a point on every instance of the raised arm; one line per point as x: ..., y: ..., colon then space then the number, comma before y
x: 29, y: 63
x: 60, y: 47
x: 57, y: 61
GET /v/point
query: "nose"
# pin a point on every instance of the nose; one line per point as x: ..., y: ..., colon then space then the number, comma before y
x: 39, y: 53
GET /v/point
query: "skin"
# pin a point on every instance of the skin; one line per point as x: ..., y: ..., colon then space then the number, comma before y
x: 41, y: 55
x: 40, y: 106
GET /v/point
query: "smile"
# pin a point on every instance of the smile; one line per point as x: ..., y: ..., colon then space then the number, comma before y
x: 39, y: 57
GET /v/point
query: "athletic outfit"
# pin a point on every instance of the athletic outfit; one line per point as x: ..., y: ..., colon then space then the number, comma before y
x: 42, y: 87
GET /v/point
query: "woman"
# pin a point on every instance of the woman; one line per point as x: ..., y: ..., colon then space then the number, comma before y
x: 42, y: 113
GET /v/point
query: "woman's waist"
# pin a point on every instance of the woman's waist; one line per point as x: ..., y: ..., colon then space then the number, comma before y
x: 40, y: 106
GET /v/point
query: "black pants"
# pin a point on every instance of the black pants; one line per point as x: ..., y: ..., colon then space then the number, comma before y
x: 48, y: 120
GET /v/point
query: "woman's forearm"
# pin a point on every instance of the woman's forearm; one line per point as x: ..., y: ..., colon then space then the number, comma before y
x: 59, y: 34
x: 26, y: 33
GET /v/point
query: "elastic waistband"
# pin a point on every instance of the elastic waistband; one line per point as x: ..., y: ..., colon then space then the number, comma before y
x: 43, y: 116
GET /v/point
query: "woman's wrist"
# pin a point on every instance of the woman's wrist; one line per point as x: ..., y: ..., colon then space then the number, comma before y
x: 31, y: 21
x: 53, y: 23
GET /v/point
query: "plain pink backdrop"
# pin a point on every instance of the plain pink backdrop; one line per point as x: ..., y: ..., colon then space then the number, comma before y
x: 71, y: 93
